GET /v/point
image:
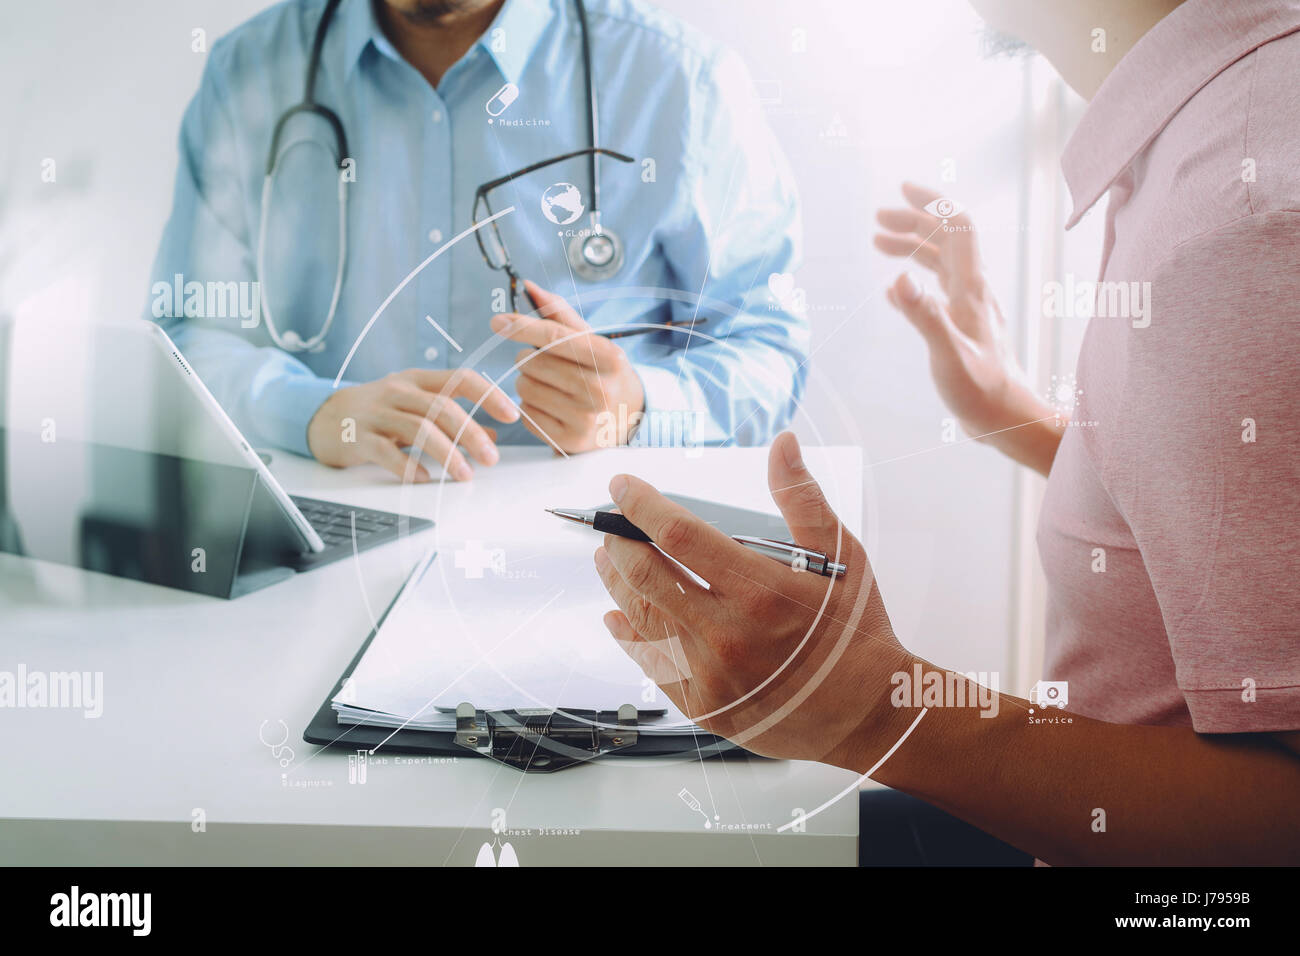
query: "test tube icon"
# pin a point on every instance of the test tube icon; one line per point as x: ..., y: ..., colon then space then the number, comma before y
x: 501, y: 99
x: 357, y: 767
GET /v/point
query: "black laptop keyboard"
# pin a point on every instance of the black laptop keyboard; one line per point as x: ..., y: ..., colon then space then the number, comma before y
x: 334, y: 521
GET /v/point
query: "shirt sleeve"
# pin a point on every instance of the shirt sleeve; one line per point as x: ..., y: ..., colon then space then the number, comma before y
x: 737, y: 224
x: 268, y: 393
x: 1214, y: 495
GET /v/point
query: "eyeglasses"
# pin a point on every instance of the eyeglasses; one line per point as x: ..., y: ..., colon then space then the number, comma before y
x: 490, y: 241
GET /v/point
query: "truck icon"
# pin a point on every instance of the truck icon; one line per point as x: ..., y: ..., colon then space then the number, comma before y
x: 1050, y: 693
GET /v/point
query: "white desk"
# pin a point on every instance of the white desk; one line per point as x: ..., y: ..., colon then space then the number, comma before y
x: 188, y: 681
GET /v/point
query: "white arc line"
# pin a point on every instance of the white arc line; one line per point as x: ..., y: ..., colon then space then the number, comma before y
x: 356, y: 560
x: 856, y: 783
x: 443, y: 333
x: 542, y: 431
x: 402, y: 285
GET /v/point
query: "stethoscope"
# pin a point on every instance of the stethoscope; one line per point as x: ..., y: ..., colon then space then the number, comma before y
x: 280, y: 751
x: 595, y: 255
x: 598, y: 255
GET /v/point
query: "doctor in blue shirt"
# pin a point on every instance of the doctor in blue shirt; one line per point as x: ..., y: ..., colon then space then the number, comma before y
x: 331, y: 291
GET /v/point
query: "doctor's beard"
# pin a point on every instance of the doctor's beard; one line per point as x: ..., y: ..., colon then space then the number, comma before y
x: 432, y: 11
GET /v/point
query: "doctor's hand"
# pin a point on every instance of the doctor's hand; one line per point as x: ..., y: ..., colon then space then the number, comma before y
x: 578, y: 391
x: 416, y: 408
x: 785, y: 663
x: 972, y: 362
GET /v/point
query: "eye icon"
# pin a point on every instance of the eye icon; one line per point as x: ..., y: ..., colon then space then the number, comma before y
x: 944, y: 208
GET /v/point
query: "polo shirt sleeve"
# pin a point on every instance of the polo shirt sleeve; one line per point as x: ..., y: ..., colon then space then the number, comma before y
x: 1214, y: 496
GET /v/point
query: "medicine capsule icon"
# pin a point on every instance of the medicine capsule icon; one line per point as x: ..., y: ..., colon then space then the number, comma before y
x: 502, y: 99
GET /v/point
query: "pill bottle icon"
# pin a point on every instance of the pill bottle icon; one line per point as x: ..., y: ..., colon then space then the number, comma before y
x: 502, y: 99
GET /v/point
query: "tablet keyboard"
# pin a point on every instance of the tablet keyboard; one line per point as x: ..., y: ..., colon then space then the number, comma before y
x: 347, y: 528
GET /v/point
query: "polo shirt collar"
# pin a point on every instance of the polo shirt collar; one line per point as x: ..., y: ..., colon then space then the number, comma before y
x: 1166, y: 68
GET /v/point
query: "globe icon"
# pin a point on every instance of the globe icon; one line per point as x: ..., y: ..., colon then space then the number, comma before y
x: 562, y: 203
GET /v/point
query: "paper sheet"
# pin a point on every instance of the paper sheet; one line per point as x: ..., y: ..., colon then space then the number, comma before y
x: 501, y: 625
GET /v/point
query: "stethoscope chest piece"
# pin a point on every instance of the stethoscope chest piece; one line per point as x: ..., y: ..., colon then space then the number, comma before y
x: 596, y: 256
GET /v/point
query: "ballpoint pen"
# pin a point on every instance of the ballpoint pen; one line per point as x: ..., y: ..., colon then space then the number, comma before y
x: 661, y: 327
x: 791, y: 555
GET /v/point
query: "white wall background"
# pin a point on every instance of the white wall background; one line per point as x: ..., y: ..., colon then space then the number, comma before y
x: 100, y: 88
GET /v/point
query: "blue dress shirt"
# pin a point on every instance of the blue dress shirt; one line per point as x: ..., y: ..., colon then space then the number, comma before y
x: 706, y: 213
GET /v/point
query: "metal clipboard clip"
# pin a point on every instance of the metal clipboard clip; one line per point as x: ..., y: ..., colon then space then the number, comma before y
x: 543, y: 740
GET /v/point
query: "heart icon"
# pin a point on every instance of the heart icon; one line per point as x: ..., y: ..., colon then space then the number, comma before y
x: 781, y: 285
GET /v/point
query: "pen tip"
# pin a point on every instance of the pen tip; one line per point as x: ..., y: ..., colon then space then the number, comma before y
x: 549, y: 510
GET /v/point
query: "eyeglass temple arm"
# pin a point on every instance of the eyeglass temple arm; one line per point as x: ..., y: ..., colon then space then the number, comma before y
x: 487, y: 187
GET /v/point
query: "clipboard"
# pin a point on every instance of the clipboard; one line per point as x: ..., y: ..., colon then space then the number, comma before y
x: 536, y: 740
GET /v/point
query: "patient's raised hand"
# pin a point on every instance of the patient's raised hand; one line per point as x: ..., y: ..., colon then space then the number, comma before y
x: 973, y: 365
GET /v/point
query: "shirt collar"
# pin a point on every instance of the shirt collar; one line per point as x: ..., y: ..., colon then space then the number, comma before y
x: 1152, y: 82
x: 360, y: 30
x: 520, y: 24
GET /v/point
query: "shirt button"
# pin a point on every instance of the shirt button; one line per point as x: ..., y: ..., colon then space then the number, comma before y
x: 430, y: 354
x: 435, y: 235
x: 436, y: 116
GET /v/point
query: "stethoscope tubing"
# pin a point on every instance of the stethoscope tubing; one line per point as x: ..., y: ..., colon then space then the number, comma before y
x: 577, y: 252
x: 290, y: 340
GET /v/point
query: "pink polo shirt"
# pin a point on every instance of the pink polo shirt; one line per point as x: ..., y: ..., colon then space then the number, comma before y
x: 1170, y: 532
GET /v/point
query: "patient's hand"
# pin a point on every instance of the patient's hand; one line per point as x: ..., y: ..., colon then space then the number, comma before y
x: 578, y: 391
x: 971, y: 361
x: 787, y: 664
x: 411, y: 409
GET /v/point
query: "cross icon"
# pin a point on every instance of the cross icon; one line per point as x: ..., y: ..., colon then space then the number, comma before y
x: 474, y: 558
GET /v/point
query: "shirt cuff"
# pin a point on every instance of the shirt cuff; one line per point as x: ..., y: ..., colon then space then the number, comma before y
x: 663, y: 389
x: 1263, y: 710
x: 668, y: 419
x: 285, y: 407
